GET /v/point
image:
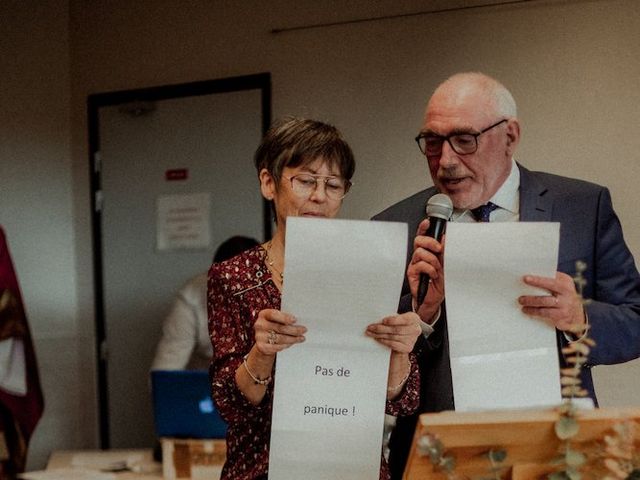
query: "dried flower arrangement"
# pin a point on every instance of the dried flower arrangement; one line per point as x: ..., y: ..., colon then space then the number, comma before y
x: 433, y: 447
x: 615, y: 457
x: 567, y: 426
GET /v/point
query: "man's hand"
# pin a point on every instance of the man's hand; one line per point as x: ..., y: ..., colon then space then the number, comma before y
x: 427, y: 259
x: 398, y: 332
x: 563, y: 308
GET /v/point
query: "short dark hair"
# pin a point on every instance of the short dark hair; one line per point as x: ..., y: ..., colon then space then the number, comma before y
x: 292, y: 142
x: 232, y: 247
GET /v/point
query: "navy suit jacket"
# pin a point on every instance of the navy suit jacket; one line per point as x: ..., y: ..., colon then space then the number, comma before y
x: 590, y: 231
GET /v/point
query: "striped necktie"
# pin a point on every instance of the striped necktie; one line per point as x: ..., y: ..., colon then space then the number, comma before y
x: 481, y: 213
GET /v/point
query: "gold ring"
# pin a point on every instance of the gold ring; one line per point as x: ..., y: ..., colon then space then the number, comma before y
x: 272, y: 339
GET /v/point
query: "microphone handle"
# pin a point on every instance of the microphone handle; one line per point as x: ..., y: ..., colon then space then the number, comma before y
x: 436, y: 230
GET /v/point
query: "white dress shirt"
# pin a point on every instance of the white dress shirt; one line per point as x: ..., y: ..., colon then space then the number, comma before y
x: 185, y: 339
x: 507, y: 199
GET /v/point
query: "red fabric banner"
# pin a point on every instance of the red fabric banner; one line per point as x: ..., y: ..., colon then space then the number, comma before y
x: 19, y: 414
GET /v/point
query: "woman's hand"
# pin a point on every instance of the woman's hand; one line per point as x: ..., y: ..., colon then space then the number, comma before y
x: 274, y: 331
x: 398, y: 332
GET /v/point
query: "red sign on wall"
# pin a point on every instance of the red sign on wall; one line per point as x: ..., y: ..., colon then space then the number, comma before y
x: 176, y: 174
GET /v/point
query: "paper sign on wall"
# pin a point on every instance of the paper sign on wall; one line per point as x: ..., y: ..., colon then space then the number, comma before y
x: 183, y: 222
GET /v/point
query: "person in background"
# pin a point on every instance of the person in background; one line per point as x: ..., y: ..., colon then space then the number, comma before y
x: 21, y: 399
x: 185, y: 342
x: 469, y: 137
x: 305, y: 169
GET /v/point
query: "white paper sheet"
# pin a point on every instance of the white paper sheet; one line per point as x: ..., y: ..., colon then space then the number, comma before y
x: 328, y: 409
x: 500, y: 357
x: 106, y: 460
x: 67, y: 474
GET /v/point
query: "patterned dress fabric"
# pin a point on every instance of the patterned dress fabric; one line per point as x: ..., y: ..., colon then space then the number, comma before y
x: 239, y: 289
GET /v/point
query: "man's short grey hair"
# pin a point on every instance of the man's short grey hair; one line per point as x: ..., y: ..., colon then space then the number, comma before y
x: 504, y: 102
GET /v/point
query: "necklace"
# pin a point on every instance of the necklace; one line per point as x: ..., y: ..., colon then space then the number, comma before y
x: 269, y: 260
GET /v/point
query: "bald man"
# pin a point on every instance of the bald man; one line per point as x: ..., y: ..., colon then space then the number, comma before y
x: 469, y: 138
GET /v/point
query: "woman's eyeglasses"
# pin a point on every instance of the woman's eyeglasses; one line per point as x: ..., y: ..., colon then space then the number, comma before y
x: 304, y: 184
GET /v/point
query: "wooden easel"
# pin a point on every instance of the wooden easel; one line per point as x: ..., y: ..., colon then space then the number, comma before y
x: 527, y: 436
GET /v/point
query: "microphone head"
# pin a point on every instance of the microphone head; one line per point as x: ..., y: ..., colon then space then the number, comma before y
x: 440, y: 206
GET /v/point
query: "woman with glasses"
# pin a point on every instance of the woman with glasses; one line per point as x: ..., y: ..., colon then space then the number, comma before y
x: 305, y: 169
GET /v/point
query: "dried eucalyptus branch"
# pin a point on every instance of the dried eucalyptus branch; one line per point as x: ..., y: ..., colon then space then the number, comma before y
x: 567, y: 426
x: 620, y: 458
x: 617, y: 458
x: 496, y: 457
x: 577, y: 352
x: 431, y: 446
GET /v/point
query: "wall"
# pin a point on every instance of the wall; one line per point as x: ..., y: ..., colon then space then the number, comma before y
x: 36, y: 210
x: 572, y: 66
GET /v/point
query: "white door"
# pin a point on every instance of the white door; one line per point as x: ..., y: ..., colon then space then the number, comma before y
x: 207, y: 141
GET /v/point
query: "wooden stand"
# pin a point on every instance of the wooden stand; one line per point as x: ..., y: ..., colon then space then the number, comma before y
x: 528, y: 437
x: 185, y: 459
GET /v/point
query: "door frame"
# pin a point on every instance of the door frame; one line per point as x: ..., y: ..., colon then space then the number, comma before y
x: 259, y: 81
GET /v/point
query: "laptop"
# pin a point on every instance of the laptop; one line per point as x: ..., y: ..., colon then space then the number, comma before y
x: 182, y: 405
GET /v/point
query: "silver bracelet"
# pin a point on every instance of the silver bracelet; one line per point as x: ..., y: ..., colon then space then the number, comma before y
x: 402, y: 382
x: 256, y: 380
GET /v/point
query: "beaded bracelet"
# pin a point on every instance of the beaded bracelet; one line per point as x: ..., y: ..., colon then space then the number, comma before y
x: 255, y: 379
x: 402, y: 382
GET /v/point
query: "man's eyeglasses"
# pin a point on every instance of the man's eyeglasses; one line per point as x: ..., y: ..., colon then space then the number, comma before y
x: 304, y: 184
x: 461, y: 143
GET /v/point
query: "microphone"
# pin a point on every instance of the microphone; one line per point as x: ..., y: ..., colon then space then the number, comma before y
x: 439, y: 210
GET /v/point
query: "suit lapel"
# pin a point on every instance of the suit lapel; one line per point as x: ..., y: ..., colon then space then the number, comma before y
x: 535, y: 202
